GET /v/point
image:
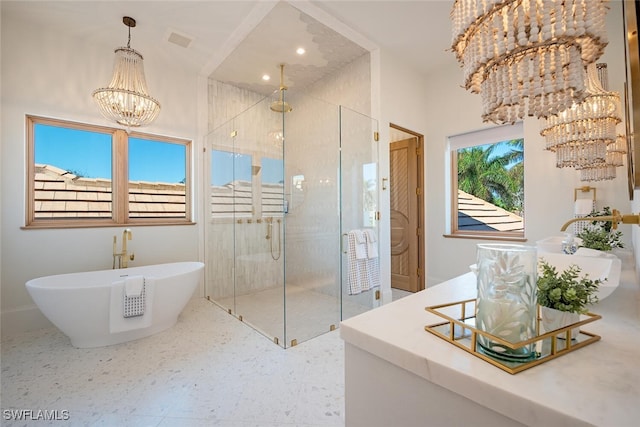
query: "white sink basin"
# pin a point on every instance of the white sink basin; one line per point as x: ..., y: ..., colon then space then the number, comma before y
x: 553, y: 244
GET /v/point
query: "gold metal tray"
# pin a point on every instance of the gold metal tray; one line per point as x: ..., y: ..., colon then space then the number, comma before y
x: 458, y: 328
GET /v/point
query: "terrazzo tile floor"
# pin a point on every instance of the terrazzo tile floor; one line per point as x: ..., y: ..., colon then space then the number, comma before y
x: 308, y: 313
x: 208, y: 370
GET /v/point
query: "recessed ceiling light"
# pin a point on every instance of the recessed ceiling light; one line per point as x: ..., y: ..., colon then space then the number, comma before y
x: 300, y: 51
x: 266, y: 77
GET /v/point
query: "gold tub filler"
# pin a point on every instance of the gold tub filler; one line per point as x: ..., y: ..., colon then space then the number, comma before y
x: 458, y: 328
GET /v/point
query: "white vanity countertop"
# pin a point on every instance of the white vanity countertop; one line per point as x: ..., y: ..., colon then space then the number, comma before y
x: 595, y: 385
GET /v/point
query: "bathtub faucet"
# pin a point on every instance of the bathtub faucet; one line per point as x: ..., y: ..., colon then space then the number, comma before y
x: 122, y: 256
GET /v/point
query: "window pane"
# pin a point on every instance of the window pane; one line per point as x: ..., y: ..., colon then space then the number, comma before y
x: 491, y: 187
x: 230, y: 184
x: 72, y: 176
x: 272, y: 186
x: 157, y: 178
x: 369, y: 194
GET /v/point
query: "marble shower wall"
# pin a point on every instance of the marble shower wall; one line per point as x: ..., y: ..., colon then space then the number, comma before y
x: 310, y: 236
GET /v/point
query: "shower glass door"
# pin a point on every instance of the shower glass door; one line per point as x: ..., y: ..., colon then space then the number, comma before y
x: 246, y: 232
x: 285, y: 189
x: 221, y: 212
x: 312, y: 224
x: 359, y: 211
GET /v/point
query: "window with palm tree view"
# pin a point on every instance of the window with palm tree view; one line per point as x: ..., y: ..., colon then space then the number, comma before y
x: 488, y: 194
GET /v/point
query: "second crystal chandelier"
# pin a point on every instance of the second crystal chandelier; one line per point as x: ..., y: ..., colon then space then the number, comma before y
x: 581, y: 134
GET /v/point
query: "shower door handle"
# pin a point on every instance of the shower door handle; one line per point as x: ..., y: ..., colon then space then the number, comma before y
x: 342, y: 246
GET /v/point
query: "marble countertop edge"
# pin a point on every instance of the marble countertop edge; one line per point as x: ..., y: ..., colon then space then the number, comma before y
x: 441, y: 373
x: 537, y: 396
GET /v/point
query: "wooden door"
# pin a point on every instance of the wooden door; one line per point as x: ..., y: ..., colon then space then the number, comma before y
x: 404, y: 196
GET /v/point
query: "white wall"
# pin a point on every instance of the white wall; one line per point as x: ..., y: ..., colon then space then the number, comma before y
x: 403, y: 102
x: 549, y: 191
x: 47, y: 74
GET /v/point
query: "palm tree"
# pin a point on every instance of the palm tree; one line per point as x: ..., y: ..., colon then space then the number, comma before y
x: 516, y: 173
x: 516, y: 152
x: 496, y: 179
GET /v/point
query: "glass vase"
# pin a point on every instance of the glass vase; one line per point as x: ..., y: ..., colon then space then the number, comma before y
x: 506, y: 306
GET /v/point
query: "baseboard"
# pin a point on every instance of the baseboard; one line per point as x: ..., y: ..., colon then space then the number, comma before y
x: 22, y: 319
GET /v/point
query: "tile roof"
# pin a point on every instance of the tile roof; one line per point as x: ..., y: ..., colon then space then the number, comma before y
x: 61, y: 194
x: 478, y: 215
x: 237, y: 198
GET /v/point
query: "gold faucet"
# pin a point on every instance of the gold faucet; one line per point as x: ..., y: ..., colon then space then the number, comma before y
x: 615, y: 219
x: 123, y: 258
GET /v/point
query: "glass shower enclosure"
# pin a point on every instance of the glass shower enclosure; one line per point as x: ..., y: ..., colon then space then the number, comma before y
x: 285, y: 189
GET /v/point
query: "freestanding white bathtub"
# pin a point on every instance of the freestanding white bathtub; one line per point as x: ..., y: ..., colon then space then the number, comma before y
x: 87, y: 307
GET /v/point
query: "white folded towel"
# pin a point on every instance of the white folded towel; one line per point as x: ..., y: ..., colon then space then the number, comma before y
x: 133, y: 286
x: 363, y: 273
x: 360, y: 244
x: 583, y: 207
x: 372, y: 247
x: 371, y: 235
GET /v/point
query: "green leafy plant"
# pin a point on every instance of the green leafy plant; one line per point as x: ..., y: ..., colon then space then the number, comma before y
x: 566, y: 291
x: 600, y: 239
x: 599, y: 235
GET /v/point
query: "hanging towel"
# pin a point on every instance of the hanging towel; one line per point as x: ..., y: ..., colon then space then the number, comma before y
x: 133, y: 306
x: 372, y: 246
x: 355, y: 266
x: 363, y: 273
x: 117, y: 321
x: 373, y: 273
x: 360, y: 244
x: 583, y: 207
x: 133, y: 286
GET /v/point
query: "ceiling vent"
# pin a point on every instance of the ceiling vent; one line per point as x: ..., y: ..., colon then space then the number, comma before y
x: 179, y: 38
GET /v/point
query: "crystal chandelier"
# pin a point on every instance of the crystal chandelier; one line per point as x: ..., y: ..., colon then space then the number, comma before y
x: 581, y: 134
x: 126, y: 99
x: 526, y: 57
x: 614, y: 159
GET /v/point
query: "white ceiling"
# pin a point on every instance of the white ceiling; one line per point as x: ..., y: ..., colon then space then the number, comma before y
x: 238, y: 41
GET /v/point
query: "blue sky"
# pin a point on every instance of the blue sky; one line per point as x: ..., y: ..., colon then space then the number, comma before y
x: 501, y: 148
x: 89, y: 154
